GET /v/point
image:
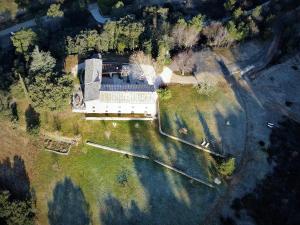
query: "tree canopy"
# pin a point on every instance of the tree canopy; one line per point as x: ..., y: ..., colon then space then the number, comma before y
x: 14, y: 212
x: 186, y: 34
x: 227, y: 167
x: 24, y: 40
x: 47, y: 88
x: 8, y: 7
x: 50, y: 91
x: 116, y: 35
x: 41, y: 62
x: 55, y: 11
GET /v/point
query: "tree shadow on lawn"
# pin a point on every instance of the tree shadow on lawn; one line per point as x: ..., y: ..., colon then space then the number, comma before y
x: 14, y: 178
x: 171, y: 198
x: 173, y: 128
x: 231, y: 129
x: 68, y: 206
x: 188, y: 159
x: 210, y: 138
x: 32, y: 119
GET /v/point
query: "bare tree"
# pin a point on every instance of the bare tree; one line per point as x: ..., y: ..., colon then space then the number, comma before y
x: 191, y: 37
x: 178, y: 34
x: 185, y: 36
x: 140, y: 58
x: 184, y: 62
x: 217, y: 35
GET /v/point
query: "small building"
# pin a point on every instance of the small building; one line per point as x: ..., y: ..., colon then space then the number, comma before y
x: 116, y: 93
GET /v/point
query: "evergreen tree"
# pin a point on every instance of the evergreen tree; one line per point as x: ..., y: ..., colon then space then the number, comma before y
x: 237, y: 33
x: 227, y: 167
x: 13, y: 212
x: 50, y: 91
x: 197, y: 22
x: 41, y: 62
x: 55, y: 11
x: 23, y: 40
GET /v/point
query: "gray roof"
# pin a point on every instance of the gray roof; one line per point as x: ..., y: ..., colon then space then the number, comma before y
x: 120, y: 92
x: 93, y: 70
x: 91, y: 91
x: 127, y: 87
x: 92, y: 79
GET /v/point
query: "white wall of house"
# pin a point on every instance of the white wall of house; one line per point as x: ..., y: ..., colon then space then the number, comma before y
x: 95, y: 106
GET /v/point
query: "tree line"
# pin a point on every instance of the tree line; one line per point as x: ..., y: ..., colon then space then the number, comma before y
x: 48, y: 88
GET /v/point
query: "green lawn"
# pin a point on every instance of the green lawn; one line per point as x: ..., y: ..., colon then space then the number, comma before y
x: 86, y: 184
x: 203, y: 116
x: 150, y: 193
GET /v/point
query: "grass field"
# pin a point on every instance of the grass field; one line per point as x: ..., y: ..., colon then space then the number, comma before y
x: 90, y: 177
x: 204, y: 117
x: 91, y: 185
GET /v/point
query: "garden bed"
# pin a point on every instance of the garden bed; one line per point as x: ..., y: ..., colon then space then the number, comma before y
x: 60, y: 147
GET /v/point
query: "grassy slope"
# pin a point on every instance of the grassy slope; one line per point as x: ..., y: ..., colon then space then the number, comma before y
x: 203, y: 116
x: 151, y: 192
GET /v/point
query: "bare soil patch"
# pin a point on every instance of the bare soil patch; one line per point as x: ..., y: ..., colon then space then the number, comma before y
x: 15, y: 142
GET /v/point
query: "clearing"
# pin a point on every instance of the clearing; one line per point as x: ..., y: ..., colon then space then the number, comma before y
x: 107, y: 184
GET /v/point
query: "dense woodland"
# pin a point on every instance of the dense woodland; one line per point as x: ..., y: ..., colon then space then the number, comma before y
x: 160, y: 32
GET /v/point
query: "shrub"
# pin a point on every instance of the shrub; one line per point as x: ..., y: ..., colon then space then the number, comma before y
x: 227, y: 167
x: 164, y: 94
x: 122, y: 177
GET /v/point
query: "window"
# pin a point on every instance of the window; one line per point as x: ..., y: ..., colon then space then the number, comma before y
x: 93, y: 107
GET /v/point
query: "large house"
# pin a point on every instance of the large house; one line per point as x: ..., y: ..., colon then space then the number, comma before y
x: 119, y: 91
